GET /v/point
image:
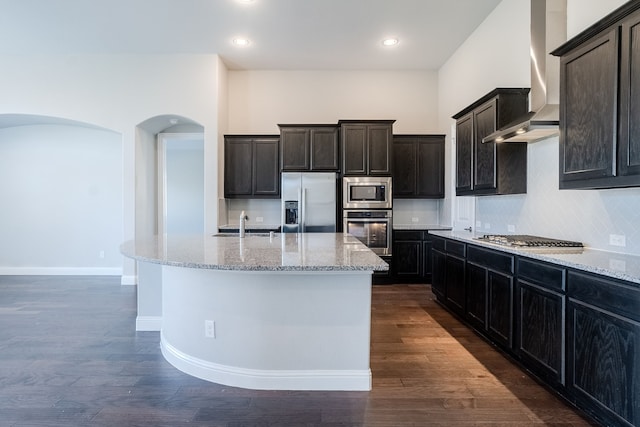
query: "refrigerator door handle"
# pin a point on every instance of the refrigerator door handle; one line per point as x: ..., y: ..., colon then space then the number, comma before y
x: 304, y: 210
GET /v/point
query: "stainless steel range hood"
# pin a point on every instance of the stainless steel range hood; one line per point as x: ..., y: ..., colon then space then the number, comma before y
x: 548, y: 31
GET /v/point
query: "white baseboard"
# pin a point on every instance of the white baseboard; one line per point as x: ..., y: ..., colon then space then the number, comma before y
x: 60, y: 271
x: 148, y: 323
x: 260, y: 379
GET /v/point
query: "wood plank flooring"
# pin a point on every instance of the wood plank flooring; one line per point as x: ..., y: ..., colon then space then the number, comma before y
x: 69, y: 356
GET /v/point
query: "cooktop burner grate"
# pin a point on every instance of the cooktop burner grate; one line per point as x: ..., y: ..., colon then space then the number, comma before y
x: 526, y: 241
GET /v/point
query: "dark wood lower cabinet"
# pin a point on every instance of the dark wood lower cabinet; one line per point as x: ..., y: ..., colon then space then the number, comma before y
x: 455, y: 286
x: 438, y: 273
x: 577, y: 332
x: 477, y: 296
x: 540, y: 328
x: 500, y: 308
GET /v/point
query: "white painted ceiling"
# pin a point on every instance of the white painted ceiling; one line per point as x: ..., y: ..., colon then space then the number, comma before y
x: 284, y: 34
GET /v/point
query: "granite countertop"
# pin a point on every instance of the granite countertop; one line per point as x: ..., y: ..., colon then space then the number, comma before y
x: 282, y: 252
x: 414, y: 226
x: 250, y: 226
x: 611, y: 264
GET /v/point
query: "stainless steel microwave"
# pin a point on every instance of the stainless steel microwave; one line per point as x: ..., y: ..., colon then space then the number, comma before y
x: 367, y: 192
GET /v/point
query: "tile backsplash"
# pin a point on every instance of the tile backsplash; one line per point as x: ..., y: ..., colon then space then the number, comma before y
x: 416, y: 211
x: 597, y: 218
x: 259, y: 211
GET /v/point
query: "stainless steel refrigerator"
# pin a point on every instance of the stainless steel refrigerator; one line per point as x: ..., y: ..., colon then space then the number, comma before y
x: 308, y: 202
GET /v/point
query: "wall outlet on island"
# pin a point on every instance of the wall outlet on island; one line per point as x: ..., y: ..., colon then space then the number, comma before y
x: 511, y: 228
x: 414, y: 219
x: 209, y: 329
x: 259, y: 219
x: 101, y: 254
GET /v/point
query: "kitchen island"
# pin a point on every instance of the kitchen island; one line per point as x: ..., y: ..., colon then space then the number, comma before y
x: 280, y: 311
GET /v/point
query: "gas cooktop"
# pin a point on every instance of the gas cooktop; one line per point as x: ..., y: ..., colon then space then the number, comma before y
x: 523, y: 241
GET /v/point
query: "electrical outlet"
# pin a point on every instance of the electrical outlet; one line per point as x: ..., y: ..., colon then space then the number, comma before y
x: 259, y: 219
x: 414, y: 219
x: 209, y: 329
x: 511, y: 228
x: 478, y: 224
x: 617, y: 240
x: 487, y: 226
x: 101, y: 254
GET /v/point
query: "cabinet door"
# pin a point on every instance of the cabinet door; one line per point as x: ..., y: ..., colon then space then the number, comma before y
x: 629, y: 151
x: 430, y: 168
x: 588, y: 111
x: 455, y: 277
x: 500, y: 307
x: 324, y: 149
x: 407, y: 257
x: 294, y: 145
x: 266, y: 175
x: 438, y: 268
x: 484, y: 154
x: 604, y: 363
x: 540, y: 329
x: 426, y: 260
x: 404, y: 168
x: 477, y: 296
x: 379, y: 155
x: 354, y: 149
x: 464, y: 154
x: 238, y: 155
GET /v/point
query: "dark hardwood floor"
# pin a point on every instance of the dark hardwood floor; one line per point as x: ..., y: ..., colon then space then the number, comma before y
x: 69, y: 356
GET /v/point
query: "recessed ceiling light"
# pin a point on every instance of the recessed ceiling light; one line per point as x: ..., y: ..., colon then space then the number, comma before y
x: 390, y: 42
x: 241, y: 41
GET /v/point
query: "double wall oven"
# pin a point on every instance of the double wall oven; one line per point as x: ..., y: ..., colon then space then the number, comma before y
x: 367, y: 214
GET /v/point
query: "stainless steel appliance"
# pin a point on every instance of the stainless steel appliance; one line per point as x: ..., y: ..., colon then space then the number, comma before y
x: 366, y: 192
x: 371, y: 227
x: 308, y: 202
x: 533, y: 243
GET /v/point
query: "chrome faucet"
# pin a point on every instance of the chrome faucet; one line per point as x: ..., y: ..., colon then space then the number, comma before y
x: 243, y: 218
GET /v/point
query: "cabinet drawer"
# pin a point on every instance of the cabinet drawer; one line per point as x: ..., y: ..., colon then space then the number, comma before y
x: 455, y: 248
x: 438, y: 243
x: 491, y: 259
x: 407, y: 235
x: 541, y: 274
x: 619, y: 298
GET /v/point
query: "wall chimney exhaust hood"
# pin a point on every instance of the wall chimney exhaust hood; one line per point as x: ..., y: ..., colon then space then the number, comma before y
x: 548, y: 31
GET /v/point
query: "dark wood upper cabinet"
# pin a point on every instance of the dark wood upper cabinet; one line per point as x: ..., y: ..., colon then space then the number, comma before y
x: 418, y: 166
x: 491, y: 168
x: 309, y: 148
x: 251, y: 166
x: 600, y: 103
x: 366, y: 147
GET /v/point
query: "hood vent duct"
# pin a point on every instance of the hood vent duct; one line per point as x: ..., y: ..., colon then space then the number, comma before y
x: 548, y: 31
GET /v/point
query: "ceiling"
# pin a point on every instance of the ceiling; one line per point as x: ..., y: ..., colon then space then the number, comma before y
x: 284, y: 34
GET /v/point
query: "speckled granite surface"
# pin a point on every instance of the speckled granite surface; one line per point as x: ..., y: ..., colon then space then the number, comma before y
x: 619, y: 266
x: 283, y: 252
x: 419, y: 227
x: 252, y: 226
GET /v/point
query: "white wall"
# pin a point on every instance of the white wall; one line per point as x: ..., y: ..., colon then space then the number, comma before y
x: 61, y: 194
x: 184, y: 186
x: 259, y: 100
x: 118, y: 92
x: 586, y: 215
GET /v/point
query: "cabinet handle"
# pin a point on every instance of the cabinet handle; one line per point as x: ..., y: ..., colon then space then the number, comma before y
x: 469, y: 229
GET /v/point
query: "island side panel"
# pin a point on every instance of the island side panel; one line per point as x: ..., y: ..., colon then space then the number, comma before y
x: 273, y: 330
x: 149, y: 290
